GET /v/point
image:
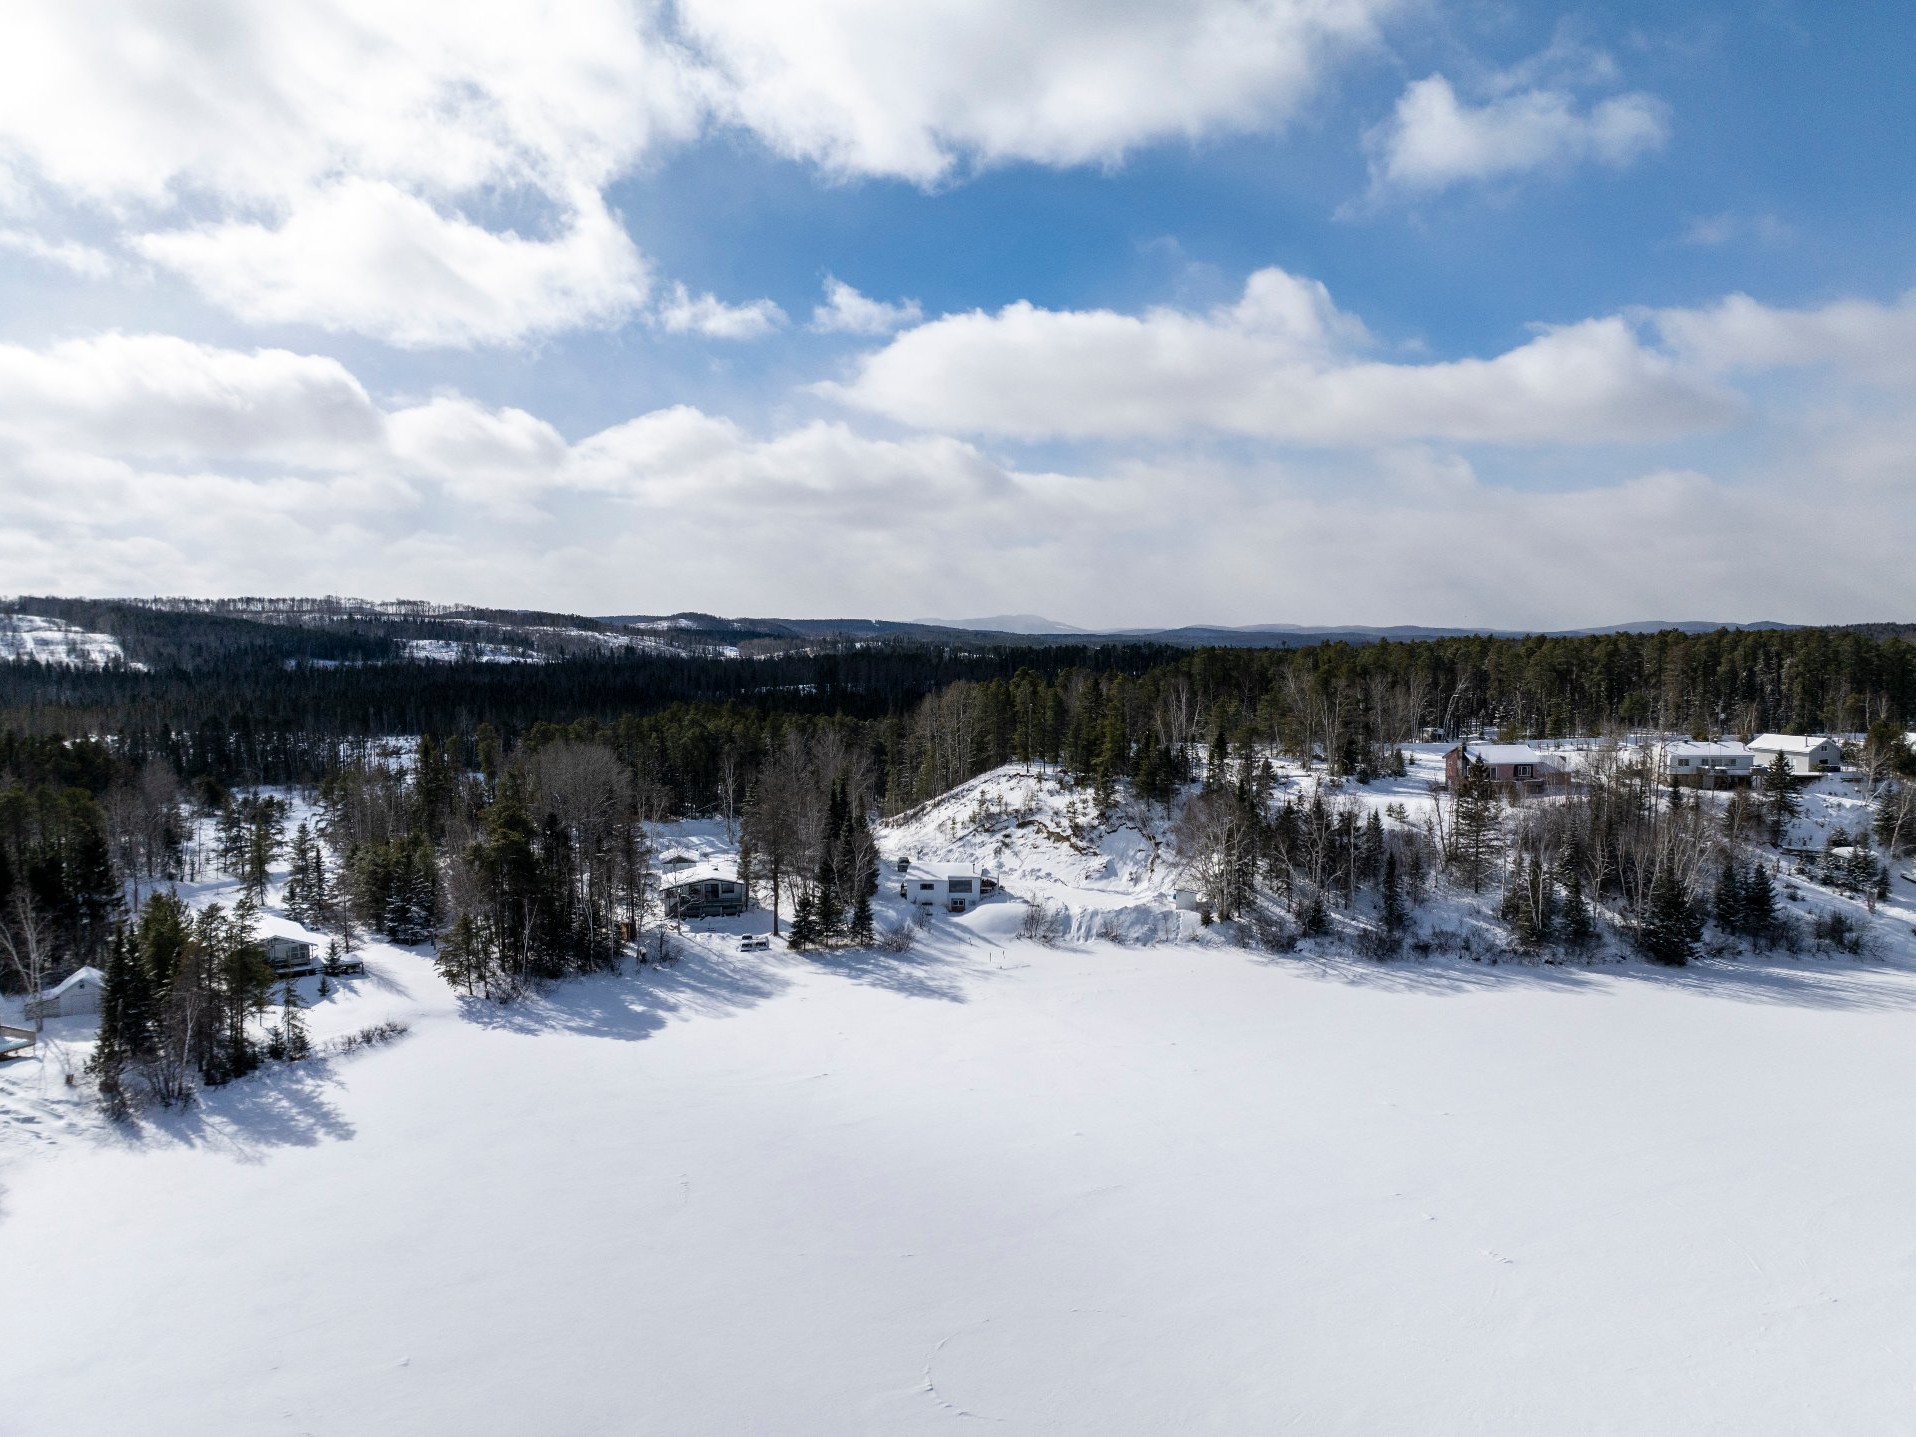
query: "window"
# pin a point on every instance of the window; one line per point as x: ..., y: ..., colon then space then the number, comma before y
x: 958, y: 885
x: 1523, y: 770
x: 926, y: 887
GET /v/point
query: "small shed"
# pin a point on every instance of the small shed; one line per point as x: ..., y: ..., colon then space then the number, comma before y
x: 78, y: 992
x: 1807, y: 754
x: 291, y: 957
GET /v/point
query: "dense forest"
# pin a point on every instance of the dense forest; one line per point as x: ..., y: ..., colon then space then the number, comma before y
x: 508, y: 823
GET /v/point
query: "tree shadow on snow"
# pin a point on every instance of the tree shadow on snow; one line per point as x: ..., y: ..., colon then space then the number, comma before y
x: 915, y: 974
x: 703, y: 983
x: 283, y: 1105
x: 1835, y: 984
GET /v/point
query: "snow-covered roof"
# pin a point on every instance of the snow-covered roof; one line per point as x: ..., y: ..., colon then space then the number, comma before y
x: 1702, y: 748
x: 78, y: 978
x: 1494, y: 753
x: 1789, y: 742
x: 942, y: 870
x: 709, y: 872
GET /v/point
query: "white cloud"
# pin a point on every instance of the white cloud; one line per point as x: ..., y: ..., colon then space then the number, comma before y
x: 70, y: 255
x: 1862, y: 338
x: 326, y: 163
x: 686, y: 313
x: 343, y: 163
x: 914, y: 91
x: 846, y: 311
x: 1281, y: 364
x: 134, y: 464
x: 155, y: 396
x: 1433, y: 140
x: 367, y: 258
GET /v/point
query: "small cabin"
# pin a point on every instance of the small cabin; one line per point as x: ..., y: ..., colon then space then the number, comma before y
x: 78, y: 992
x: 943, y: 887
x: 291, y: 957
x: 1807, y: 754
x: 1517, y: 765
x: 702, y: 891
x: 1695, y: 763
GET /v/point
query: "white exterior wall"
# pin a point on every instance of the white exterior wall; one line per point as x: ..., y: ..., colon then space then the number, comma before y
x: 1825, y: 755
x: 935, y: 889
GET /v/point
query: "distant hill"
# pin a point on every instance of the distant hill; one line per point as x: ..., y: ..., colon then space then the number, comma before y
x: 1007, y: 624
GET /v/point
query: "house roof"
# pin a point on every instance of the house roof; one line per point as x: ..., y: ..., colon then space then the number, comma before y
x: 713, y: 871
x: 1494, y: 753
x: 942, y: 870
x: 75, y: 978
x: 1699, y: 748
x: 1789, y: 742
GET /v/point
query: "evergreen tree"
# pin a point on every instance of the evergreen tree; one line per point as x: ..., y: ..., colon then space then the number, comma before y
x: 1392, y: 898
x: 1370, y: 849
x: 862, y: 933
x: 1732, y: 914
x: 1759, y: 904
x: 1577, y: 927
x: 804, y: 930
x: 1668, y: 929
x: 1476, y: 826
x: 1780, y: 800
x: 294, y: 1042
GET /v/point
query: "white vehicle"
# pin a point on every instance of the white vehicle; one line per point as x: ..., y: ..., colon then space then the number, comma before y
x: 754, y: 943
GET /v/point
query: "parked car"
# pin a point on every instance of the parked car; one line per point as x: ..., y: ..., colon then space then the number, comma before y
x: 754, y: 943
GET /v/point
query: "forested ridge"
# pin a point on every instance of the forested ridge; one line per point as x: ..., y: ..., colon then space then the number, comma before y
x: 510, y: 825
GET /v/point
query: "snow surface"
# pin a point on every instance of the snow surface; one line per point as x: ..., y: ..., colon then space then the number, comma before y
x: 1089, y: 1188
x: 52, y: 641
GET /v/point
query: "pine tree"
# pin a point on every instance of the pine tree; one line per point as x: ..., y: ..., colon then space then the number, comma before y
x: 1780, y: 800
x: 1759, y: 904
x: 862, y: 933
x: 459, y: 959
x: 1668, y: 930
x: 1578, y: 927
x: 294, y: 1042
x: 1393, y: 899
x: 804, y: 930
x: 1731, y: 910
x: 1476, y: 826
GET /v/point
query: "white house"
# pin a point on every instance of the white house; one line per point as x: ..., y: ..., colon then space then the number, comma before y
x: 77, y: 993
x: 1807, y: 753
x: 703, y: 890
x: 943, y: 887
x: 1700, y: 764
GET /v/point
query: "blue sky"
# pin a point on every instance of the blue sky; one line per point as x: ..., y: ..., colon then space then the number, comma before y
x: 1249, y: 310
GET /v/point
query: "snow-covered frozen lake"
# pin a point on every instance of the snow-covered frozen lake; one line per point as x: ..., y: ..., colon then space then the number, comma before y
x: 1077, y: 1190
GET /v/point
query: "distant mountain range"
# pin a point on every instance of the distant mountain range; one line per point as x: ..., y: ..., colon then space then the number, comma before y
x: 329, y: 632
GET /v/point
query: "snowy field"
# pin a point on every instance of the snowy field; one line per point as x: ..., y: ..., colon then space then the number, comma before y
x: 1085, y: 1188
x: 1089, y: 1189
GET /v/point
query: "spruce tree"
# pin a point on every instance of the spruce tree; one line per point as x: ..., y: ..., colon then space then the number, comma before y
x: 1759, y: 904
x: 1392, y: 897
x: 862, y: 933
x: 1780, y: 801
x: 294, y: 1042
x: 1578, y: 927
x: 1668, y: 930
x: 1476, y: 826
x: 1731, y: 909
x: 804, y: 930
